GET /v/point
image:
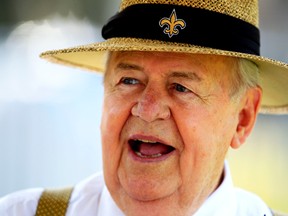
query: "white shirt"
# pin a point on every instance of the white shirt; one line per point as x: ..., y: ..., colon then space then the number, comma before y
x: 91, y: 198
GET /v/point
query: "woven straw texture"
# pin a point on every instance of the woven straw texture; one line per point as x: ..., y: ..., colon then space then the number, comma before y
x: 246, y: 10
x: 54, y: 202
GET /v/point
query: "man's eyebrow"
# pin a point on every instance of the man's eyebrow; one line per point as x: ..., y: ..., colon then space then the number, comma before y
x: 129, y: 66
x: 188, y: 75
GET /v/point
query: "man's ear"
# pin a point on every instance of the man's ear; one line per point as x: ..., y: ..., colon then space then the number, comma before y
x: 250, y: 105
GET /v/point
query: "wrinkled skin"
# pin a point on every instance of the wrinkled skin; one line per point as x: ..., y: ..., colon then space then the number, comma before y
x: 181, y: 100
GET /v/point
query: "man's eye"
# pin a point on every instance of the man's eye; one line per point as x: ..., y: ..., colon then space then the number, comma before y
x: 180, y: 88
x: 129, y: 81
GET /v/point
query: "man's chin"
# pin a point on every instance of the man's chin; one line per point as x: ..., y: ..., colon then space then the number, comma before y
x: 142, y: 203
x: 145, y: 190
x: 145, y: 196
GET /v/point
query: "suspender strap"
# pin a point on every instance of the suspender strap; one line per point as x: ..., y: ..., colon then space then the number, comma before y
x: 54, y: 202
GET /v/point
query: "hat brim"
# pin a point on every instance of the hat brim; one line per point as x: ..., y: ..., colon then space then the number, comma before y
x: 273, y: 74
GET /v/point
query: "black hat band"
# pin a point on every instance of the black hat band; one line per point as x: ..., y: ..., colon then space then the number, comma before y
x: 181, y: 24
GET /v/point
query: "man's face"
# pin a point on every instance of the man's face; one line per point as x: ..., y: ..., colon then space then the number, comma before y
x: 168, y: 121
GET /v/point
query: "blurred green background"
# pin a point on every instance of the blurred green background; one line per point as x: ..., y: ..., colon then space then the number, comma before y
x: 49, y: 114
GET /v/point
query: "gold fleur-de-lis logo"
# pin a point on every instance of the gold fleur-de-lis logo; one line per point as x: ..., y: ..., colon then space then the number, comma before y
x: 172, y: 23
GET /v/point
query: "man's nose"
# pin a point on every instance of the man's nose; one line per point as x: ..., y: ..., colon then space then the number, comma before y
x: 152, y: 105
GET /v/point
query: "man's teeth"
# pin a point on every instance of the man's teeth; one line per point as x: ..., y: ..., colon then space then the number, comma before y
x: 148, y: 156
x: 146, y: 141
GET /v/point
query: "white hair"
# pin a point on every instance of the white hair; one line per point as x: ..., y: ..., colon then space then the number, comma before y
x: 246, y: 76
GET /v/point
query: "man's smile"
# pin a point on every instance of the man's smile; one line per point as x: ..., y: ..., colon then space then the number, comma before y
x: 149, y: 149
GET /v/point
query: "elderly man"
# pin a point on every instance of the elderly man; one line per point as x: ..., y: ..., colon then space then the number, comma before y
x: 182, y: 86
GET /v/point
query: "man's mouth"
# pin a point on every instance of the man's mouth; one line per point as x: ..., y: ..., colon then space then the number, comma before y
x: 147, y: 149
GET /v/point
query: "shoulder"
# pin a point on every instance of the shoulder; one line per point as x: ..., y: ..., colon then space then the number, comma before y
x: 86, y: 196
x: 25, y: 202
x: 251, y: 204
x: 20, y: 203
x: 275, y: 213
x: 88, y: 188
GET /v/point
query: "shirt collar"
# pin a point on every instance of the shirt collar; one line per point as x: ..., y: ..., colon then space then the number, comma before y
x: 223, y: 200
x: 107, y: 206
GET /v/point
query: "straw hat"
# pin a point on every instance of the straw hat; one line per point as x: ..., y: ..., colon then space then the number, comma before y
x: 221, y: 27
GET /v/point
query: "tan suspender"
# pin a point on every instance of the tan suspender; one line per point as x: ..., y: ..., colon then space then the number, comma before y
x: 54, y: 202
